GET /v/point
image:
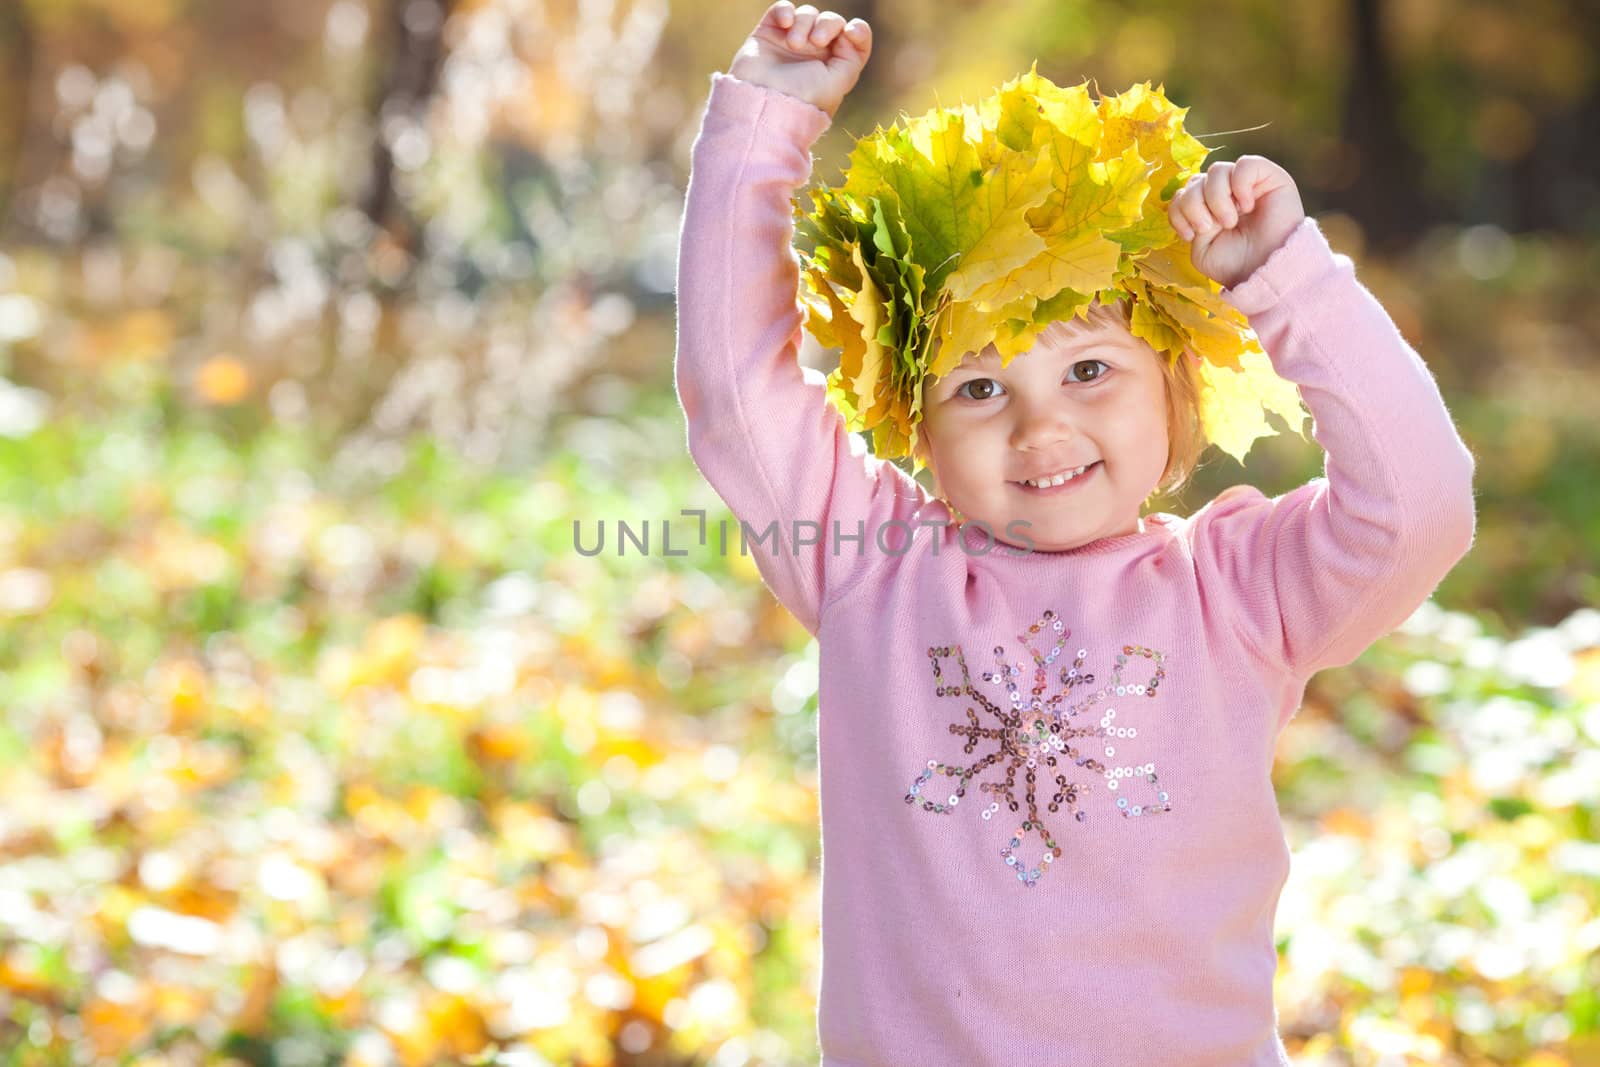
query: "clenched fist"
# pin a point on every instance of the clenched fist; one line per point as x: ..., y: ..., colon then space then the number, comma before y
x: 814, y: 56
x: 1236, y: 215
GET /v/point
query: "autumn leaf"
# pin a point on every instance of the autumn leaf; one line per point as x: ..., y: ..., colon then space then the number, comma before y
x: 1233, y: 403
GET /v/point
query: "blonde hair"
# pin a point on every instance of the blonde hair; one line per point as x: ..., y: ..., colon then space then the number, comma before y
x: 1186, y: 441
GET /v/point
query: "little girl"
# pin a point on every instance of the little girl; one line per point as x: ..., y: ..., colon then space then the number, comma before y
x: 1048, y: 825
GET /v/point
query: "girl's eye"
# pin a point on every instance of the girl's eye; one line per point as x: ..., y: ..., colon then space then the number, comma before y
x: 1098, y: 374
x: 987, y: 385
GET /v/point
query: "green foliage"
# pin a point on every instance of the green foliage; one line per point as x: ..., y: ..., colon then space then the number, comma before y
x: 413, y: 728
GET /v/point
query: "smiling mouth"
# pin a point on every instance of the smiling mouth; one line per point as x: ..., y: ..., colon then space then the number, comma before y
x: 1060, y: 487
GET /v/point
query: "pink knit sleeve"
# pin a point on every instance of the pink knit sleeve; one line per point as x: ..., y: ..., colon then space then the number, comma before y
x: 759, y: 425
x: 1312, y: 577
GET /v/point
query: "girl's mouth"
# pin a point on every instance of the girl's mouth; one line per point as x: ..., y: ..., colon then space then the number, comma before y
x: 1065, y: 487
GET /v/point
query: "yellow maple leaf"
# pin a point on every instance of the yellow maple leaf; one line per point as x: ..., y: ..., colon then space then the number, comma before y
x: 1144, y: 118
x: 1234, y: 403
x: 867, y: 310
x: 825, y: 312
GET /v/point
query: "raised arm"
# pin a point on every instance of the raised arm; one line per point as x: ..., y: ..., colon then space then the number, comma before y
x: 759, y: 424
x: 1314, y: 576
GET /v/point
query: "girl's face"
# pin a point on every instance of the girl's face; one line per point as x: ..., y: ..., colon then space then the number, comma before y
x: 1095, y: 396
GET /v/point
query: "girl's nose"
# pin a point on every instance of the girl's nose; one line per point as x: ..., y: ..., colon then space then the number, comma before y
x: 1040, y: 425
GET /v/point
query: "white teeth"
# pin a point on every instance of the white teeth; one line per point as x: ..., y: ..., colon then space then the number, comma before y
x: 1057, y: 479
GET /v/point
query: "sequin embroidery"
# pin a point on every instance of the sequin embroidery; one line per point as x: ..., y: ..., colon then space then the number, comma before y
x: 1032, y: 734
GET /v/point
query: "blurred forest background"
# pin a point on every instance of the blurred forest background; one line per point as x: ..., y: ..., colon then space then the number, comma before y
x: 320, y: 323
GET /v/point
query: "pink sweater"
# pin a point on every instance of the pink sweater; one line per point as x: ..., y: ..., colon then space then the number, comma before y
x: 1049, y: 833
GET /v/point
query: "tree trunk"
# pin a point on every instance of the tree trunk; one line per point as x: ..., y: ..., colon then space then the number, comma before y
x: 408, y: 72
x: 1384, y: 192
x: 16, y: 59
x: 1556, y: 184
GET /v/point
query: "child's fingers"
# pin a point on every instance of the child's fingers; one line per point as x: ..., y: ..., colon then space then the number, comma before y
x: 804, y: 16
x: 781, y: 14
x: 1255, y: 177
x: 827, y: 27
x: 1219, y: 194
x: 1244, y: 177
x: 1175, y: 216
x: 1175, y: 212
x: 851, y: 49
x: 1188, y: 209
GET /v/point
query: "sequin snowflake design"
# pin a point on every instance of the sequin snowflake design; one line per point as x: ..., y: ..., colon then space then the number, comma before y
x: 1032, y: 734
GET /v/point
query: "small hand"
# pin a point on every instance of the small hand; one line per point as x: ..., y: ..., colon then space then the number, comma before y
x: 815, y: 57
x: 1236, y: 215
